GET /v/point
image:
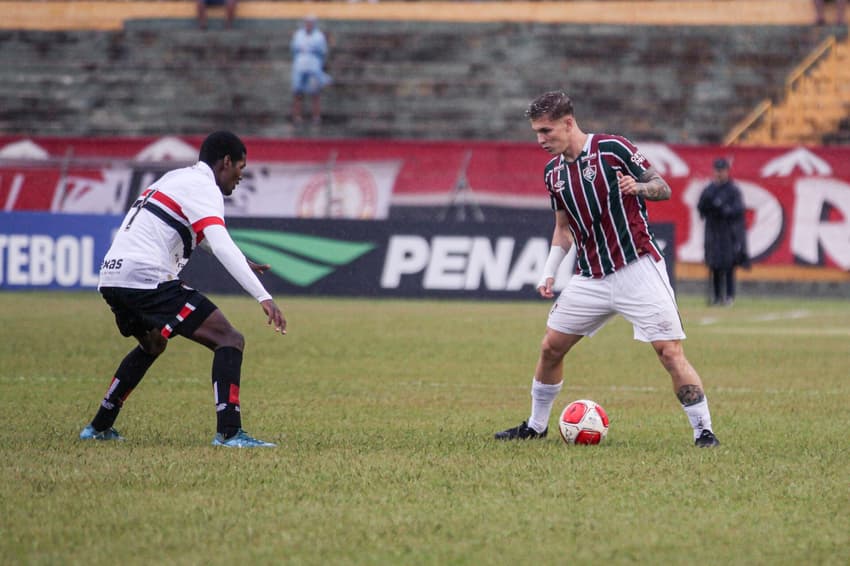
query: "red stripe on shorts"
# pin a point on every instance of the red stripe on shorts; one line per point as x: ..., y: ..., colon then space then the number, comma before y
x: 185, y: 311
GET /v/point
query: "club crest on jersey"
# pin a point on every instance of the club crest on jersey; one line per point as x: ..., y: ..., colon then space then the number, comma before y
x: 589, y: 173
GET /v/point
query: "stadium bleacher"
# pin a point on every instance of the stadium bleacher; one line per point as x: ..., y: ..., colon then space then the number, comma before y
x: 450, y: 70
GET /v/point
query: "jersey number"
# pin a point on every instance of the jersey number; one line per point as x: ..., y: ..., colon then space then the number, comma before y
x: 138, y: 205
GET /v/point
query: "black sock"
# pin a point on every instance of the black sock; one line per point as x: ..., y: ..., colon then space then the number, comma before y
x: 127, y: 377
x: 226, y: 373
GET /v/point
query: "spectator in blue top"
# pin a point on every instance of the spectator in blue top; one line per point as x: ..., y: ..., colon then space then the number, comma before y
x: 309, y: 49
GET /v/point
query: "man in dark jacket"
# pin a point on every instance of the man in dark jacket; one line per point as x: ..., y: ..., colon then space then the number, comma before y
x: 722, y: 207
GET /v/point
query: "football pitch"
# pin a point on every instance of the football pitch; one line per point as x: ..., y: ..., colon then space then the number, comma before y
x: 384, y: 412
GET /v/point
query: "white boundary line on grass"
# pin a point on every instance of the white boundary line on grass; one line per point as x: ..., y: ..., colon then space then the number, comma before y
x: 796, y: 314
x: 636, y: 388
x: 842, y: 332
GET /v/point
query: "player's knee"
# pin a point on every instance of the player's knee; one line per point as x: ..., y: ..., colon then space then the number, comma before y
x: 669, y: 353
x: 552, y: 351
x: 234, y: 339
x: 158, y: 348
x: 153, y: 343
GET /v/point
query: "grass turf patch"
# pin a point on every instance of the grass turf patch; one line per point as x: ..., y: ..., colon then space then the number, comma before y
x: 385, y: 410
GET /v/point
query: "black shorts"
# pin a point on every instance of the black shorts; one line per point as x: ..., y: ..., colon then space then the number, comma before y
x: 171, y: 308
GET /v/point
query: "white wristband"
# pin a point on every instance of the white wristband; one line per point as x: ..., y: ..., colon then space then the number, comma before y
x: 553, y: 262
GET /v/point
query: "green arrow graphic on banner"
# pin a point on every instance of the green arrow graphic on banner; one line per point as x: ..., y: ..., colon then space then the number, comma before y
x: 298, y: 258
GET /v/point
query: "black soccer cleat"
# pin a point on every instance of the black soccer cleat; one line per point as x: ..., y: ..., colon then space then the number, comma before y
x: 521, y: 432
x: 706, y: 440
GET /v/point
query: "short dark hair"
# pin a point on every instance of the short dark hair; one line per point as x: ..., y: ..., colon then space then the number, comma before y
x: 555, y: 104
x: 221, y: 143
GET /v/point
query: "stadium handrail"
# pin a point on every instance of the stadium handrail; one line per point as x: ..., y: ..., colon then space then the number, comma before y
x: 111, y: 14
x: 761, y: 110
x: 765, y: 108
x: 809, y: 61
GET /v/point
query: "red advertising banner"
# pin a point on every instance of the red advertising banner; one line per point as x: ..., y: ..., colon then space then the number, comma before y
x: 798, y: 198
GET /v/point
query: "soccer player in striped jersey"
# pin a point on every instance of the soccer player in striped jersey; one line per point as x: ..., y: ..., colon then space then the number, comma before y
x: 598, y: 185
x: 139, y: 279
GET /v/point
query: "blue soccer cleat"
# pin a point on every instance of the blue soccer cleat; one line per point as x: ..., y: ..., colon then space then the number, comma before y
x: 240, y: 440
x: 89, y: 433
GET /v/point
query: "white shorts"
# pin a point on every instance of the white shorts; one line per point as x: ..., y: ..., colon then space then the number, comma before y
x: 641, y: 292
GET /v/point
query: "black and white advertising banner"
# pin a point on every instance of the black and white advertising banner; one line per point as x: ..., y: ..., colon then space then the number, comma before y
x: 392, y: 258
x: 375, y: 258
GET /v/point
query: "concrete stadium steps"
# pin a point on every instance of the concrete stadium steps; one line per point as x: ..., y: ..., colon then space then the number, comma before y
x: 640, y: 81
x: 427, y: 80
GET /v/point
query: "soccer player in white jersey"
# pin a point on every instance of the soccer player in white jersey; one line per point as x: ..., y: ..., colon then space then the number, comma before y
x: 598, y: 185
x: 139, y: 279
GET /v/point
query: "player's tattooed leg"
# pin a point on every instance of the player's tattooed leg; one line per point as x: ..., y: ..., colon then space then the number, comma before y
x: 690, y: 395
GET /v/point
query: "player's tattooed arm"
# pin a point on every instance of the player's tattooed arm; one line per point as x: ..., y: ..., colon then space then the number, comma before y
x: 690, y: 395
x: 652, y: 186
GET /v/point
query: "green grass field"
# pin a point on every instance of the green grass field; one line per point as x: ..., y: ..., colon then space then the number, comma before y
x: 385, y: 410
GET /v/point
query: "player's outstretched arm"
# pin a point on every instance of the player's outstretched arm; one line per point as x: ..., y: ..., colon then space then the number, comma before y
x: 562, y: 241
x: 242, y: 269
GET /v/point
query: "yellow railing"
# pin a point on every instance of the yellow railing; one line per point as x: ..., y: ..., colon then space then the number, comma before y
x: 765, y: 109
x: 809, y: 61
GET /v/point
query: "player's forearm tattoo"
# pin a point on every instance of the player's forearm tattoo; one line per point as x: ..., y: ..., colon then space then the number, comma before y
x: 690, y: 395
x: 653, y: 187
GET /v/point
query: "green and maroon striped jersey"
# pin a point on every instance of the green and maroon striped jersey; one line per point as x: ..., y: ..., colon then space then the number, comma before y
x: 610, y: 229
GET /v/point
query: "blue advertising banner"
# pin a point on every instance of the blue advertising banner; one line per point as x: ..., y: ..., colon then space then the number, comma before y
x: 387, y: 258
x: 40, y: 250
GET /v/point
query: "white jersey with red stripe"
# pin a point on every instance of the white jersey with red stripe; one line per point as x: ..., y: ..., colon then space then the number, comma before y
x: 162, y: 228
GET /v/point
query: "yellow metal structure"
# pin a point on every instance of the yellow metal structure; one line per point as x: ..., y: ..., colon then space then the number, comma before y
x: 815, y: 98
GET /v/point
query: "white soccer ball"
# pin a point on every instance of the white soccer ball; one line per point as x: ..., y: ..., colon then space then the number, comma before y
x: 583, y: 422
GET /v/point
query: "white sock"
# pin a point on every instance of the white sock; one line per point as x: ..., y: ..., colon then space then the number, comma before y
x: 699, y: 416
x: 542, y: 397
